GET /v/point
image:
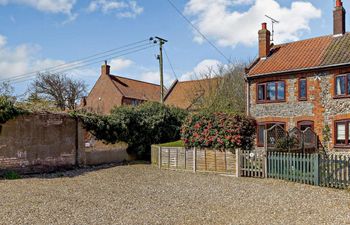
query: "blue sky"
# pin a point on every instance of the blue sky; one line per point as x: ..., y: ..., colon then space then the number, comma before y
x: 36, y: 34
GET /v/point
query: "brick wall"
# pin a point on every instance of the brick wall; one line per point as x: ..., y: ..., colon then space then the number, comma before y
x: 321, y: 107
x: 104, y: 96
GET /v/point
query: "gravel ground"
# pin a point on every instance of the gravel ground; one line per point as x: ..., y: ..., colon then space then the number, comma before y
x: 142, y: 194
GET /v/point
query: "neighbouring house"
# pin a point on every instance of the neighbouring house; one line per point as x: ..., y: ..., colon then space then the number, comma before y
x: 303, y: 84
x: 189, y: 94
x: 110, y: 91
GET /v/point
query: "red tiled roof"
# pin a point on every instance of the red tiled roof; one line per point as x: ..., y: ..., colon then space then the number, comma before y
x: 184, y: 94
x: 306, y: 54
x: 136, y: 89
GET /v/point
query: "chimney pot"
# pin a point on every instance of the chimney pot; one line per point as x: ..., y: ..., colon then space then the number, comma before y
x: 264, y: 26
x: 339, y: 3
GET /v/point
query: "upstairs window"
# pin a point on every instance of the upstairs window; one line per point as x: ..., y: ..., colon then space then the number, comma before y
x: 342, y: 86
x: 271, y: 91
x: 303, y: 89
x: 342, y: 133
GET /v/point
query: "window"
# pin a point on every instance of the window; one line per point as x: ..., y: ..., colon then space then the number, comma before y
x: 303, y: 89
x: 342, y: 86
x: 303, y: 125
x: 271, y: 91
x: 265, y: 126
x: 342, y: 136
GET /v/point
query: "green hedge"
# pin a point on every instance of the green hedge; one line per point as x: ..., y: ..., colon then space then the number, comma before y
x: 219, y: 131
x: 140, y: 127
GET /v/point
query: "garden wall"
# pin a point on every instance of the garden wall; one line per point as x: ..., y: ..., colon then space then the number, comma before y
x: 46, y: 142
x: 41, y: 142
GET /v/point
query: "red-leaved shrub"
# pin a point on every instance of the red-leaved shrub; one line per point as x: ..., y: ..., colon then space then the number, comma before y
x: 218, y: 131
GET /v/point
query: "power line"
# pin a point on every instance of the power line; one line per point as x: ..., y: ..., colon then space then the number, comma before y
x: 77, y: 61
x: 194, y: 27
x: 23, y: 79
x: 171, y: 65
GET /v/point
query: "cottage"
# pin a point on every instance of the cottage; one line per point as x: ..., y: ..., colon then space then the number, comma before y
x: 110, y: 91
x: 303, y: 84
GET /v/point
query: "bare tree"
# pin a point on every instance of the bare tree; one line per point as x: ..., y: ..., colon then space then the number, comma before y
x: 221, y: 89
x: 59, y: 88
x: 6, y: 89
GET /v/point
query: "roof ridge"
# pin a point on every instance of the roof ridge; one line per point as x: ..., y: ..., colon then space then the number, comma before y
x: 134, y: 80
x: 307, y: 39
x: 204, y: 79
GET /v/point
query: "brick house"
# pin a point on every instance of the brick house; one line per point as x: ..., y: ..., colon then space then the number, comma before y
x: 110, y: 91
x: 303, y: 84
x: 189, y: 94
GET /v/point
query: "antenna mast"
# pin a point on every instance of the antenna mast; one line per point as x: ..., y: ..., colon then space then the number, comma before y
x: 273, y: 21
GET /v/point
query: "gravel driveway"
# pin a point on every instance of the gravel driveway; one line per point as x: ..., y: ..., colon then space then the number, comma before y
x: 142, y: 194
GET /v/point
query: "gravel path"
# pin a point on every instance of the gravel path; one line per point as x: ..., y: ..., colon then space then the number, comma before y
x: 142, y: 194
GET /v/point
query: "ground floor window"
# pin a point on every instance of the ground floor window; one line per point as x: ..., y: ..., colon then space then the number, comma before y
x: 303, y: 125
x: 342, y: 137
x: 265, y: 126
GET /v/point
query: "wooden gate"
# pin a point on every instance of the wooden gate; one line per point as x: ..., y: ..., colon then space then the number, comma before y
x: 251, y: 164
x: 296, y: 167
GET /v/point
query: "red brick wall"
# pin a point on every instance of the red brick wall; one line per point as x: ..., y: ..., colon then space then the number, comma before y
x: 104, y: 96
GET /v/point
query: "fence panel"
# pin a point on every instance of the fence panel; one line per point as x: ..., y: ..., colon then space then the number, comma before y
x: 194, y: 159
x: 334, y: 171
x: 297, y: 167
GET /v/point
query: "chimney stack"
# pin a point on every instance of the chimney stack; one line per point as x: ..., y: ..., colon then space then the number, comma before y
x: 339, y: 18
x: 264, y: 42
x: 105, y: 70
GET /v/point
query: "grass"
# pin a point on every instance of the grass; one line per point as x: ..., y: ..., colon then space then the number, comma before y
x: 173, y: 144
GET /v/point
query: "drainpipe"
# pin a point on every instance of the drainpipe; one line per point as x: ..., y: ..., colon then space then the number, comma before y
x: 247, y: 81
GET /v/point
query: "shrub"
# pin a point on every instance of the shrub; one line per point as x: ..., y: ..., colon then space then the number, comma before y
x: 218, y: 131
x: 140, y: 127
x: 8, y: 110
x: 11, y: 175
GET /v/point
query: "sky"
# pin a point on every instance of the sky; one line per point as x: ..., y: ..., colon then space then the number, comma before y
x: 39, y: 34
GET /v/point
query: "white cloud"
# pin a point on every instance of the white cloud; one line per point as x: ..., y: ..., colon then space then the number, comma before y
x: 219, y: 20
x: 207, y: 67
x: 126, y: 9
x: 154, y: 77
x: 120, y: 64
x: 2, y: 41
x: 48, y: 6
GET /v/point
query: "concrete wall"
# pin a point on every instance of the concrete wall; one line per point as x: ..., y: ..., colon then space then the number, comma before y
x: 100, y: 157
x: 321, y: 106
x: 41, y: 143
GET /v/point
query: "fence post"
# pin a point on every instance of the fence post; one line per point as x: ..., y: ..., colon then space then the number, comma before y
x: 316, y: 169
x: 238, y: 163
x: 160, y: 157
x: 265, y: 155
x: 194, y: 159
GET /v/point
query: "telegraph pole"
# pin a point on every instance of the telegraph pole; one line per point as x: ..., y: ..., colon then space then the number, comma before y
x: 161, y: 42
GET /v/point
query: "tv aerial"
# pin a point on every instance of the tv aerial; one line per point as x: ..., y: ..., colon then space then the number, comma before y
x: 273, y: 21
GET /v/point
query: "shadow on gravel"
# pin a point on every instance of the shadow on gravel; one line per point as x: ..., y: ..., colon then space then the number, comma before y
x: 74, y: 172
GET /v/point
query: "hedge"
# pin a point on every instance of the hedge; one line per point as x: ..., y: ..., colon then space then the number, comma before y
x: 219, y: 131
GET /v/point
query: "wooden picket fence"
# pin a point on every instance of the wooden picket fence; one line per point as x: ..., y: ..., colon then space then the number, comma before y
x: 335, y: 171
x: 296, y: 167
x: 201, y: 160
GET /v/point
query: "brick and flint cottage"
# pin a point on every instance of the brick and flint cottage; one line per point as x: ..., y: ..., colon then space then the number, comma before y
x: 110, y: 91
x: 303, y: 84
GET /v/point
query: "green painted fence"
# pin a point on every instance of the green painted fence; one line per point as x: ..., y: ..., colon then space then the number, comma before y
x: 296, y: 167
x: 335, y: 171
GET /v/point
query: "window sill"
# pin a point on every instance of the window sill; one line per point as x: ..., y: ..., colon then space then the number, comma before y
x: 302, y: 99
x: 270, y: 102
x: 342, y: 146
x: 341, y: 97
